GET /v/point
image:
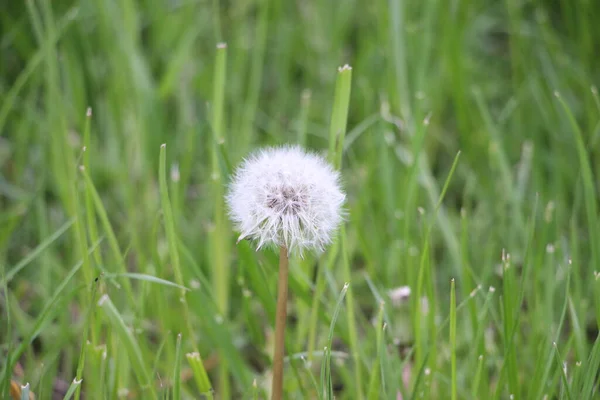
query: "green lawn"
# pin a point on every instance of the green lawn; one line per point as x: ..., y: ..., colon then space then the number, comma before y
x: 469, y: 150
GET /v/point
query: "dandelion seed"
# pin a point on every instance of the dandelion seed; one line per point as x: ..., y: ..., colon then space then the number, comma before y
x: 286, y: 197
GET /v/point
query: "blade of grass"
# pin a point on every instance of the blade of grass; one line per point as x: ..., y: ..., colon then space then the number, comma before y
x: 173, y: 241
x: 200, y: 375
x: 303, y: 118
x: 423, y: 264
x: 326, y: 382
x: 131, y: 345
x: 563, y: 373
x: 10, y: 99
x: 324, y: 388
x: 75, y: 386
x: 453, y: 338
x: 350, y: 310
x: 48, y: 311
x: 590, y: 197
x: 170, y: 224
x: 86, y: 330
x: 509, y: 310
x: 177, y: 370
x: 256, y: 71
x: 7, y: 371
x: 317, y: 296
x: 591, y: 374
x: 219, y: 237
x: 37, y: 251
x: 147, y: 278
x: 337, y: 133
x: 376, y: 370
x: 477, y: 379
x: 541, y: 383
x: 90, y: 214
x: 339, y: 115
x: 110, y: 234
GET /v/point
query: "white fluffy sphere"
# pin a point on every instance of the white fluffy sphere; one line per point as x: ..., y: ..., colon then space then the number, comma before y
x: 285, y: 196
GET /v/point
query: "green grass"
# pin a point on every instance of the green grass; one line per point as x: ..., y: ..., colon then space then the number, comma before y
x: 468, y: 138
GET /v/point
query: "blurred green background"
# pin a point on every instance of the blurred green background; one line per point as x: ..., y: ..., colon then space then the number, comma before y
x: 508, y: 84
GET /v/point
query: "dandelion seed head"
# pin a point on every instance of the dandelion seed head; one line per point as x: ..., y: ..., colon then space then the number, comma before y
x: 285, y: 196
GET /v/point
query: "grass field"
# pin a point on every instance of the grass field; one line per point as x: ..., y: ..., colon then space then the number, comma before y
x: 468, y: 137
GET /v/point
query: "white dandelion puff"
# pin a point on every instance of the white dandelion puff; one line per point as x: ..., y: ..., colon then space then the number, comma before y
x: 285, y: 196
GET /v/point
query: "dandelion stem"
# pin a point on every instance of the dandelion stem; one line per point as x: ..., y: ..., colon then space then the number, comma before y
x: 280, y: 317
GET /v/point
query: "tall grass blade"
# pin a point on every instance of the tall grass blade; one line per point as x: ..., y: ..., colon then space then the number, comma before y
x: 131, y: 345
x: 177, y: 370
